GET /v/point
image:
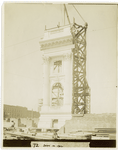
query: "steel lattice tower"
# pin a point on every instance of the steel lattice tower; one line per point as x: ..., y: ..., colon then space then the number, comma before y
x: 81, y: 90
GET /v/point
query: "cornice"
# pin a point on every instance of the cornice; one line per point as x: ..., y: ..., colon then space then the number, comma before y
x: 57, y: 42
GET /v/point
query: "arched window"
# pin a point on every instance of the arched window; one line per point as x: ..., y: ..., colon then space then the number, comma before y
x: 57, y: 94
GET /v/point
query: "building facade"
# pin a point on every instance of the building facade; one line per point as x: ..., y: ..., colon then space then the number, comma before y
x: 56, y: 47
x: 19, y: 112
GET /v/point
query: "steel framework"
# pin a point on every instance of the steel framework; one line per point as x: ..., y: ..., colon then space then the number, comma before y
x: 57, y: 94
x: 81, y: 90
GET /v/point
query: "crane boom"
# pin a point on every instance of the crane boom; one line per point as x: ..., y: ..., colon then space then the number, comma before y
x: 67, y: 13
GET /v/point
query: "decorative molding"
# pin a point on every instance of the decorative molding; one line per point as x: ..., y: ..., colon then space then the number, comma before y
x: 56, y: 43
x: 67, y: 56
x: 55, y: 80
x: 45, y: 59
x: 56, y: 31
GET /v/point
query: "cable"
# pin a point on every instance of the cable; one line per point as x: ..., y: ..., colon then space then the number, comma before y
x: 21, y: 76
x: 23, y: 41
x: 79, y: 13
x: 39, y: 49
x: 101, y: 29
x: 22, y: 56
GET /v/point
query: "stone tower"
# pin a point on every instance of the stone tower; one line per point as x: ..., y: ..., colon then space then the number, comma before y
x: 56, y: 47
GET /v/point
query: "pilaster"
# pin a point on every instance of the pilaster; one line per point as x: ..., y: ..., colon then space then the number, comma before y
x: 45, y: 80
x: 67, y: 66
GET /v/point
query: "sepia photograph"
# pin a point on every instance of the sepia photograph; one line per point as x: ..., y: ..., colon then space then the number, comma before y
x: 59, y: 75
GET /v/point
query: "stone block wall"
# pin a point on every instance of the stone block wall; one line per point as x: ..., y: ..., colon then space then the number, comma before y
x: 89, y: 122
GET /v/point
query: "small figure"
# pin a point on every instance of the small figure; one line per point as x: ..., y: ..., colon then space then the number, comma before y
x: 55, y: 135
x: 13, y: 124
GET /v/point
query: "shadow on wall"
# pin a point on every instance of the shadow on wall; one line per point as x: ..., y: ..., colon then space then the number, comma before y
x: 24, y: 122
x: 21, y: 122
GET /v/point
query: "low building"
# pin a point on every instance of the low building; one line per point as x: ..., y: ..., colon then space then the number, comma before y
x: 21, y: 115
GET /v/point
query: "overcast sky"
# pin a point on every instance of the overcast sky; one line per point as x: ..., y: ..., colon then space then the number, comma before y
x: 24, y: 25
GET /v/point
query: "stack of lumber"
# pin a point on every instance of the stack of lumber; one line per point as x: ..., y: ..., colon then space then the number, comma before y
x: 104, y: 133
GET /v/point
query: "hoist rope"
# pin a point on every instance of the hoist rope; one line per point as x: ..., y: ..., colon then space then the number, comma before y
x: 79, y: 13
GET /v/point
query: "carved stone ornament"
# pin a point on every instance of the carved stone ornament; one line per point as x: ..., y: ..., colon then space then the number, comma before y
x: 56, y: 43
x: 45, y: 59
x: 67, y: 56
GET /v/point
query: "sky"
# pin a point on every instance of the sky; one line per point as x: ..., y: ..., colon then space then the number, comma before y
x: 24, y: 25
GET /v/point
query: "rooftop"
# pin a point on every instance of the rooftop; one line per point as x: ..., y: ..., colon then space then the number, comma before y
x: 57, y: 32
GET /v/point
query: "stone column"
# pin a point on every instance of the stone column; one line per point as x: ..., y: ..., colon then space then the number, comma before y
x: 67, y: 69
x: 45, y: 81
